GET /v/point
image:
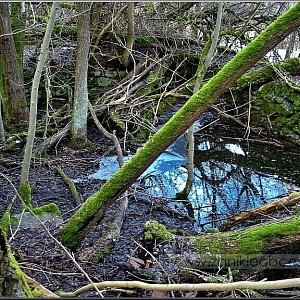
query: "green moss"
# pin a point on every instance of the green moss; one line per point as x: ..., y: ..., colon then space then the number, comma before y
x: 19, y: 275
x: 71, y: 5
x: 212, y: 230
x: 291, y: 65
x: 279, y: 104
x: 7, y: 220
x: 210, y: 92
x: 25, y: 193
x: 215, y: 243
x: 36, y: 293
x: 101, y: 253
x: 294, y: 194
x: 156, y: 231
x: 145, y: 39
x: 253, y: 241
x: 250, y: 241
x: 47, y: 208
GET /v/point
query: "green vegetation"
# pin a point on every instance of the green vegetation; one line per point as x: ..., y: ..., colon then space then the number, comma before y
x: 252, y: 241
x: 278, y: 103
x: 51, y: 208
x: 25, y: 193
x: 101, y: 253
x: 7, y: 220
x: 156, y: 231
x: 19, y: 275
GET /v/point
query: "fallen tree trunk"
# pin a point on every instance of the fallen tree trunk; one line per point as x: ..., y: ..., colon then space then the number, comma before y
x: 243, y: 216
x: 93, y: 210
x: 291, y: 66
x: 261, y: 247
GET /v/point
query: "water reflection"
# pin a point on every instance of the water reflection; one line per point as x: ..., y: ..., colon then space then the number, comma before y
x: 223, y: 184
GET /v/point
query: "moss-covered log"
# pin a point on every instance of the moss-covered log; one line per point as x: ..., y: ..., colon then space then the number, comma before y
x: 92, y: 211
x: 291, y: 66
x: 259, y: 244
x: 263, y: 242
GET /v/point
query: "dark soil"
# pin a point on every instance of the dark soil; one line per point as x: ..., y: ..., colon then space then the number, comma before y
x: 44, y: 259
x: 38, y: 254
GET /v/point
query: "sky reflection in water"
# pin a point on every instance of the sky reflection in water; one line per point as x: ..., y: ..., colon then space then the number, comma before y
x: 220, y: 188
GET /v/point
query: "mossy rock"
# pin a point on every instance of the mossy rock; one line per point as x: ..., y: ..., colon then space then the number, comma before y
x: 44, y: 213
x: 278, y: 103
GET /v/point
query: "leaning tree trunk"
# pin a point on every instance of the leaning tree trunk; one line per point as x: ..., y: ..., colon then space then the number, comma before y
x: 202, y: 67
x: 93, y: 210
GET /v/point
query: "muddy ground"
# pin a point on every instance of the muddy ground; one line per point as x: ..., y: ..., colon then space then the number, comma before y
x: 42, y: 258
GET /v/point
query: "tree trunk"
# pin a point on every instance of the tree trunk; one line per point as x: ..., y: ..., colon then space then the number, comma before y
x: 18, y: 27
x: 96, y: 13
x: 93, y: 210
x: 2, y: 131
x: 244, y: 216
x: 202, y: 67
x: 130, y: 36
x: 25, y: 190
x: 11, y: 83
x: 80, y: 107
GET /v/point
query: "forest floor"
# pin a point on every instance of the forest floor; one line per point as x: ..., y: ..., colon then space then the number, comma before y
x: 43, y: 258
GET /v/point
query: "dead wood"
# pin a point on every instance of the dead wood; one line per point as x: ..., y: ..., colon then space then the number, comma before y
x: 243, y: 216
x: 70, y: 184
x: 34, y: 285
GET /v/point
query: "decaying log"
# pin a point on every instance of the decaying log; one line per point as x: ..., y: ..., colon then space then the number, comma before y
x: 243, y: 216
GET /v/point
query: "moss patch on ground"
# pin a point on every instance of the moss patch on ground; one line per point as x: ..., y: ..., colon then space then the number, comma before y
x: 156, y: 231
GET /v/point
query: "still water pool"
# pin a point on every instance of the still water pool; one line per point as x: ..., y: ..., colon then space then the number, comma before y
x: 229, y: 176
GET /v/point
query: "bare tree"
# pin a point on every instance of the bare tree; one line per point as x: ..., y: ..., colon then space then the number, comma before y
x: 80, y: 106
x: 25, y: 189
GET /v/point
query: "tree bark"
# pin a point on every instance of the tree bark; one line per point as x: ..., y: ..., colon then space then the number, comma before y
x: 200, y: 75
x: 93, y: 210
x: 263, y: 247
x: 243, y: 216
x: 80, y: 107
x: 12, y: 88
x: 130, y: 35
